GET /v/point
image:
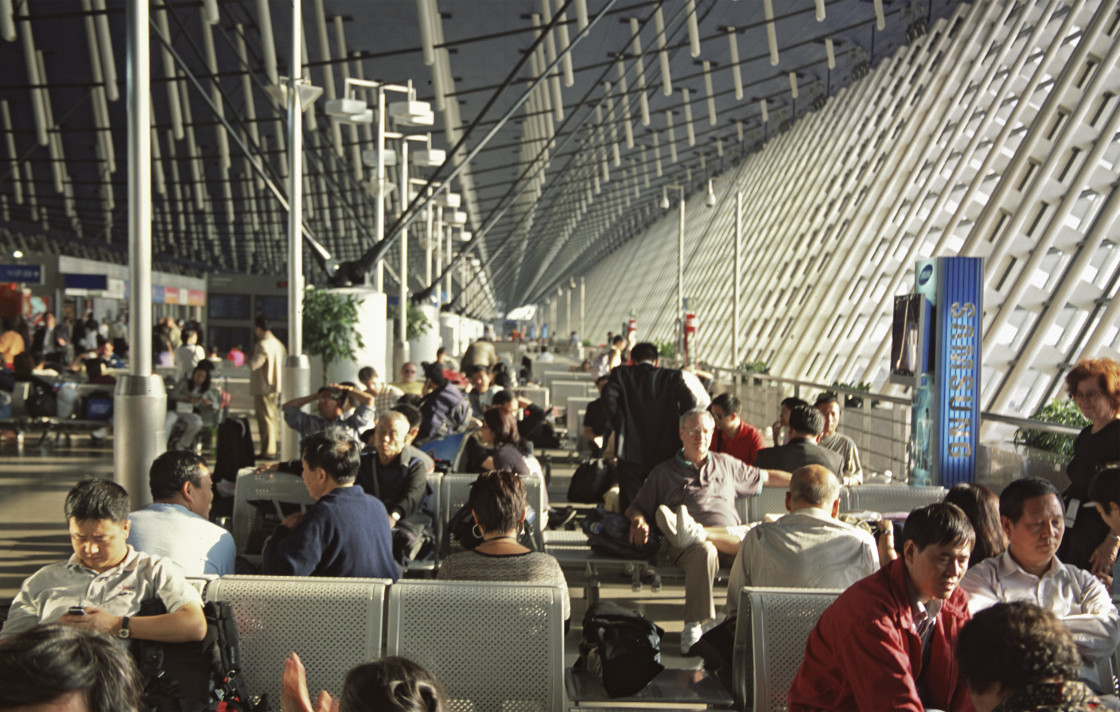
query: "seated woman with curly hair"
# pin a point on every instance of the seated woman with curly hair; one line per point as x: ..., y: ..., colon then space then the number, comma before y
x: 498, y: 501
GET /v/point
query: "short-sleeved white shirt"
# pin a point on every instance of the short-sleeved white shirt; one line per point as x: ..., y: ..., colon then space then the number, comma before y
x: 49, y: 592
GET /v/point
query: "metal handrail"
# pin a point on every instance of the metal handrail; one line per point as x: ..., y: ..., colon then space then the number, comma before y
x: 1027, y: 423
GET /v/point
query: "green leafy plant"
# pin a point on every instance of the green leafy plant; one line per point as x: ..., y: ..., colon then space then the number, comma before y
x: 587, y: 342
x: 754, y: 367
x: 850, y: 401
x: 330, y: 325
x: 418, y: 323
x: 1053, y: 446
x: 666, y: 349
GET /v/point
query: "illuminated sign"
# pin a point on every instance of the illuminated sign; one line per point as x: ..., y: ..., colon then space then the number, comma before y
x: 959, y: 333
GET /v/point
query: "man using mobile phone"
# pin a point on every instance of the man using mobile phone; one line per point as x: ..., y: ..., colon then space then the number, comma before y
x: 107, y: 578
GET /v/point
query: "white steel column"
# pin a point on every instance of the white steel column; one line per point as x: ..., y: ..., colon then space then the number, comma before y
x: 139, y: 400
x: 297, y: 368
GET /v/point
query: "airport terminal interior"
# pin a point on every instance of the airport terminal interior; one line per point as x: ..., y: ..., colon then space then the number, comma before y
x: 777, y: 194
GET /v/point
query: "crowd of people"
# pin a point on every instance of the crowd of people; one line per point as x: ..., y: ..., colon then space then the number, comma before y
x: 984, y: 601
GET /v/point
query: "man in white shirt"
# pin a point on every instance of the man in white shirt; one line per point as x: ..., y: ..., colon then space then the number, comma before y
x: 807, y: 548
x: 100, y: 588
x: 1032, y: 517
x: 176, y: 524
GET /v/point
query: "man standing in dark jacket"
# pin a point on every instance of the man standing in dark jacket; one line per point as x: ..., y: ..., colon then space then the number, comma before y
x: 346, y: 532
x: 645, y: 404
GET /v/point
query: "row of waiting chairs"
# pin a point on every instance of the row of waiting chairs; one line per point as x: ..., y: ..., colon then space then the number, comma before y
x: 492, y: 646
x: 282, y: 491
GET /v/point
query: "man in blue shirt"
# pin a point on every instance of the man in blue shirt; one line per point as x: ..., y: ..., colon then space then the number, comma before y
x: 346, y: 532
x: 331, y: 403
x: 175, y: 525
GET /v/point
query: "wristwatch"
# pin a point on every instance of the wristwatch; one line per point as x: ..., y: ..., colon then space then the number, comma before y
x: 124, y: 633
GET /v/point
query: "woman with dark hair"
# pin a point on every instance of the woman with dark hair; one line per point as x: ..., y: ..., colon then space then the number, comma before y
x: 1094, y: 384
x: 498, y: 501
x: 1017, y: 657
x: 498, y: 445
x: 391, y: 684
x: 981, y: 506
x: 195, y: 401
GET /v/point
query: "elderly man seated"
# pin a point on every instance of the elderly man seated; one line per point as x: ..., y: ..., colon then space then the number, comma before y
x: 1032, y: 517
x: 807, y: 548
x: 696, y: 486
x: 331, y: 403
x: 394, y: 471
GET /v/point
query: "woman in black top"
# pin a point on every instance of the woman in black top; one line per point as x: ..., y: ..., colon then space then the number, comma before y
x: 498, y: 445
x: 1094, y: 384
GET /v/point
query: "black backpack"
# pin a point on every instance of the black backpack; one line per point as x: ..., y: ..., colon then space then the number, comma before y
x: 235, y: 448
x: 620, y: 647
x: 590, y: 481
x: 41, y: 402
x: 197, y: 676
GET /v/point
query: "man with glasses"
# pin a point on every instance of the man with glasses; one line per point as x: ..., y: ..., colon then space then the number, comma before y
x: 409, y: 383
x: 692, y: 490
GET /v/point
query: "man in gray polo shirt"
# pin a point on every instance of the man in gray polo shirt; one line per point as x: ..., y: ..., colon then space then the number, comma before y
x: 706, y: 484
x: 107, y: 579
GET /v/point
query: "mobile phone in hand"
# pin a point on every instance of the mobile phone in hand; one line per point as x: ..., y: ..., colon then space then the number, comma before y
x: 76, y: 611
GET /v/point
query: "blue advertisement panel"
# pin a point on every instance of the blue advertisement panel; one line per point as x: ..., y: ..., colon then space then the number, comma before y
x: 959, y: 333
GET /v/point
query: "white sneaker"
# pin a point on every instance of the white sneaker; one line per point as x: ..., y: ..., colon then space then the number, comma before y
x: 688, y: 531
x: 690, y: 634
x: 667, y: 523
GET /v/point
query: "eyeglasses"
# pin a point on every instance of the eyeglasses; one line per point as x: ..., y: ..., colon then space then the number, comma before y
x: 698, y: 431
x: 1091, y: 395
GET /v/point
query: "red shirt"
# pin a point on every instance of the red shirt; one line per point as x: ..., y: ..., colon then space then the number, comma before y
x: 745, y: 446
x: 863, y: 653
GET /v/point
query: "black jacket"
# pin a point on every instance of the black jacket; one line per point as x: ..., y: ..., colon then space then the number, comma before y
x: 645, y: 404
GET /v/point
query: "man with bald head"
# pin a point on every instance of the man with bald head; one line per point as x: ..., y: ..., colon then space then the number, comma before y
x: 392, y: 470
x: 807, y: 548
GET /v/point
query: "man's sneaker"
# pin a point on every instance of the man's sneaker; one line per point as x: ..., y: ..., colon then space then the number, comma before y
x: 688, y: 531
x: 690, y: 634
x: 667, y: 523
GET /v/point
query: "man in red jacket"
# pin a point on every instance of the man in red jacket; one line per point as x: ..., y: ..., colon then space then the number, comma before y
x: 887, y: 642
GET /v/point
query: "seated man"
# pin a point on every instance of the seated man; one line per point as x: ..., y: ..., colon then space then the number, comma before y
x: 384, y: 394
x: 735, y: 436
x: 409, y: 382
x: 699, y: 487
x: 1017, y: 656
x: 851, y: 472
x: 176, y: 524
x: 807, y: 548
x: 412, y: 414
x: 779, y: 431
x: 331, y: 402
x: 1032, y: 517
x: 55, y: 668
x: 805, y: 426
x: 482, y: 391
x: 444, y: 408
x: 346, y: 532
x: 394, y: 471
x: 887, y: 642
x: 106, y: 578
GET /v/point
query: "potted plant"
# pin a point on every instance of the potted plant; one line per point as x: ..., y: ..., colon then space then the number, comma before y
x: 418, y: 322
x: 329, y: 326
x: 755, y: 367
x: 1053, y: 447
